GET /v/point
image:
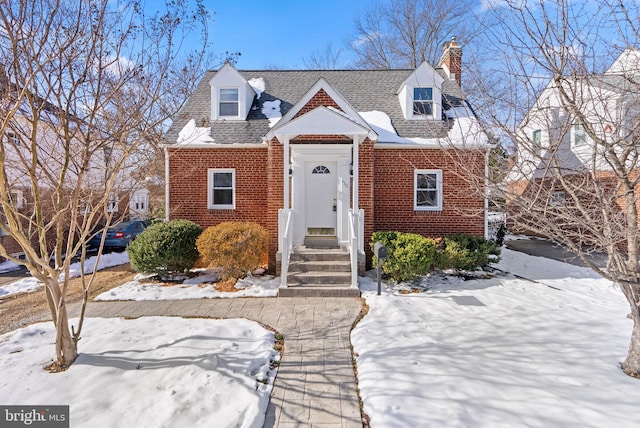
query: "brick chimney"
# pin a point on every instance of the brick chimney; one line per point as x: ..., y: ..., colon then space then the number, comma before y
x: 452, y: 59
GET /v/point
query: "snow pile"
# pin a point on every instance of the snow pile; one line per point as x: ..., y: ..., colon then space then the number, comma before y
x: 151, y: 371
x: 198, y: 287
x: 192, y: 134
x: 30, y: 284
x: 258, y: 85
x: 466, y: 130
x: 498, y: 352
x: 271, y: 109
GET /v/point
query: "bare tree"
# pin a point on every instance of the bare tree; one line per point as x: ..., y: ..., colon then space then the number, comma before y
x: 85, y: 86
x: 326, y: 59
x: 406, y: 33
x: 574, y: 122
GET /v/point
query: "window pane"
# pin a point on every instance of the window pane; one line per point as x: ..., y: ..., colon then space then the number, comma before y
x: 579, y: 134
x: 537, y: 136
x: 228, y: 95
x: 229, y: 109
x: 422, y: 108
x: 223, y: 179
x: 427, y: 181
x: 222, y: 197
x: 422, y: 94
x: 427, y: 198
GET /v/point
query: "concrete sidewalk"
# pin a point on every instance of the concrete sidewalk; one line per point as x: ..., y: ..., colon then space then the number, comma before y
x: 546, y: 248
x: 315, y: 385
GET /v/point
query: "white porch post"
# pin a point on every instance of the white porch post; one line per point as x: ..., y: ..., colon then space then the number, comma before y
x: 286, y: 160
x: 356, y: 164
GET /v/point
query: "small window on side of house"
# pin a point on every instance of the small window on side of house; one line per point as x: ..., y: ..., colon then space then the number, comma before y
x: 229, y: 103
x: 423, y: 101
x: 112, y: 204
x: 536, y: 138
x: 557, y: 198
x: 17, y: 199
x: 579, y: 136
x: 13, y: 138
x: 427, y: 190
x: 222, y: 189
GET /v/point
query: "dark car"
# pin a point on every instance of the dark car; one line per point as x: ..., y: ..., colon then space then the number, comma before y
x: 120, y: 235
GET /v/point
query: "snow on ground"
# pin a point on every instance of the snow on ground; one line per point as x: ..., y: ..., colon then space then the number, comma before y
x: 28, y: 284
x: 154, y: 371
x: 198, y: 287
x: 498, y: 352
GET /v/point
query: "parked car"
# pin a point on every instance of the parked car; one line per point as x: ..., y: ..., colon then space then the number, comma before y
x: 120, y: 235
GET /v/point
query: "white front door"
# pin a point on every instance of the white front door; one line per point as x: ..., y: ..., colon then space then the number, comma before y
x: 320, y: 198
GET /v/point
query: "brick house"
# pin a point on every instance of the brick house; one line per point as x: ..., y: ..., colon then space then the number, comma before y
x: 327, y: 157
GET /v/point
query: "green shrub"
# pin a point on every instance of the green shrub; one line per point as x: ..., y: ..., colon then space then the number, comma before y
x: 410, y: 255
x: 165, y: 248
x: 466, y: 252
x: 236, y: 247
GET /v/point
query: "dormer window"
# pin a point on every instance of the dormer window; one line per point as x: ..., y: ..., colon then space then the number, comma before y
x: 229, y: 102
x: 423, y: 101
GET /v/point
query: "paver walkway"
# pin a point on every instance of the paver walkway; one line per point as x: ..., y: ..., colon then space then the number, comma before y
x: 315, y: 386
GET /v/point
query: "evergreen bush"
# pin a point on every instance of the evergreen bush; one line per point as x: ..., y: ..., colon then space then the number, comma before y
x: 410, y: 255
x: 165, y: 248
x: 235, y: 247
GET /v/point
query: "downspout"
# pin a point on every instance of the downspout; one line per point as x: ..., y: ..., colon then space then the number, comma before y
x: 486, y: 193
x: 166, y: 183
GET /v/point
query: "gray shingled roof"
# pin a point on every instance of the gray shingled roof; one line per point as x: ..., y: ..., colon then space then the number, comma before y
x: 365, y: 90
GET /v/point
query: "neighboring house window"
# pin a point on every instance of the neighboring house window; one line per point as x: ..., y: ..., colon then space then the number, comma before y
x: 557, y: 199
x: 423, y: 101
x: 536, y: 137
x: 84, y: 208
x: 17, y: 199
x: 222, y: 186
x: 112, y: 204
x: 13, y: 138
x: 579, y: 136
x: 428, y: 190
x: 140, y: 203
x: 229, y: 102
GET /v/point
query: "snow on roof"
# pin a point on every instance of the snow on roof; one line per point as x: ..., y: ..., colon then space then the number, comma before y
x: 271, y: 109
x: 192, y: 134
x: 466, y: 130
x: 257, y: 84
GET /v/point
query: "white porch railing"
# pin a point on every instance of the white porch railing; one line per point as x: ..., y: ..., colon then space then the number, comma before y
x: 285, y: 243
x: 356, y: 242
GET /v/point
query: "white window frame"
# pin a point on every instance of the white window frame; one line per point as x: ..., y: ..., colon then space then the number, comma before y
x: 438, y: 190
x: 140, y: 202
x: 112, y: 204
x: 17, y: 198
x: 578, y: 129
x: 536, y: 139
x: 13, y: 138
x: 236, y: 102
x: 210, y: 188
x: 413, y: 101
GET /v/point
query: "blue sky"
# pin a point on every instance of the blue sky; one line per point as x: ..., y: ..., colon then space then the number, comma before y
x: 281, y: 32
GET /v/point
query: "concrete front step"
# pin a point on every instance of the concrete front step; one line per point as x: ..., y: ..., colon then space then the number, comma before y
x: 310, y: 291
x: 320, y: 266
x: 319, y: 278
x: 311, y: 255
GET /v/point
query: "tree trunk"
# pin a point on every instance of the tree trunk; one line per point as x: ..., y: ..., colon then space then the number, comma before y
x: 66, y: 345
x: 631, y: 364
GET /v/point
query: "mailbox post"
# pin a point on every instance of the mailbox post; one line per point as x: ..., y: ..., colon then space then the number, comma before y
x: 381, y: 253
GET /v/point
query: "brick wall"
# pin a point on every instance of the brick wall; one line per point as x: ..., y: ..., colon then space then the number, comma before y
x: 321, y: 98
x: 463, y: 204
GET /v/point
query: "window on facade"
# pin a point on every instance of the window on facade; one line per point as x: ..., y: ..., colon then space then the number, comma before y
x: 536, y: 137
x: 13, y: 138
x: 557, y: 199
x: 423, y: 101
x: 428, y: 190
x: 579, y: 136
x: 229, y: 103
x: 140, y: 203
x: 17, y: 199
x: 112, y: 204
x: 222, y: 183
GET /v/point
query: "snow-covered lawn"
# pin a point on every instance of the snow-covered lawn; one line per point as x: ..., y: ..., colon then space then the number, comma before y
x: 498, y: 352
x: 200, y: 286
x: 151, y: 372
x: 28, y: 284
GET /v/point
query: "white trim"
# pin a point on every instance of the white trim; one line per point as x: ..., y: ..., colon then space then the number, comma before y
x: 412, y: 114
x: 438, y: 189
x: 210, y: 175
x: 219, y: 101
x: 322, y: 121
